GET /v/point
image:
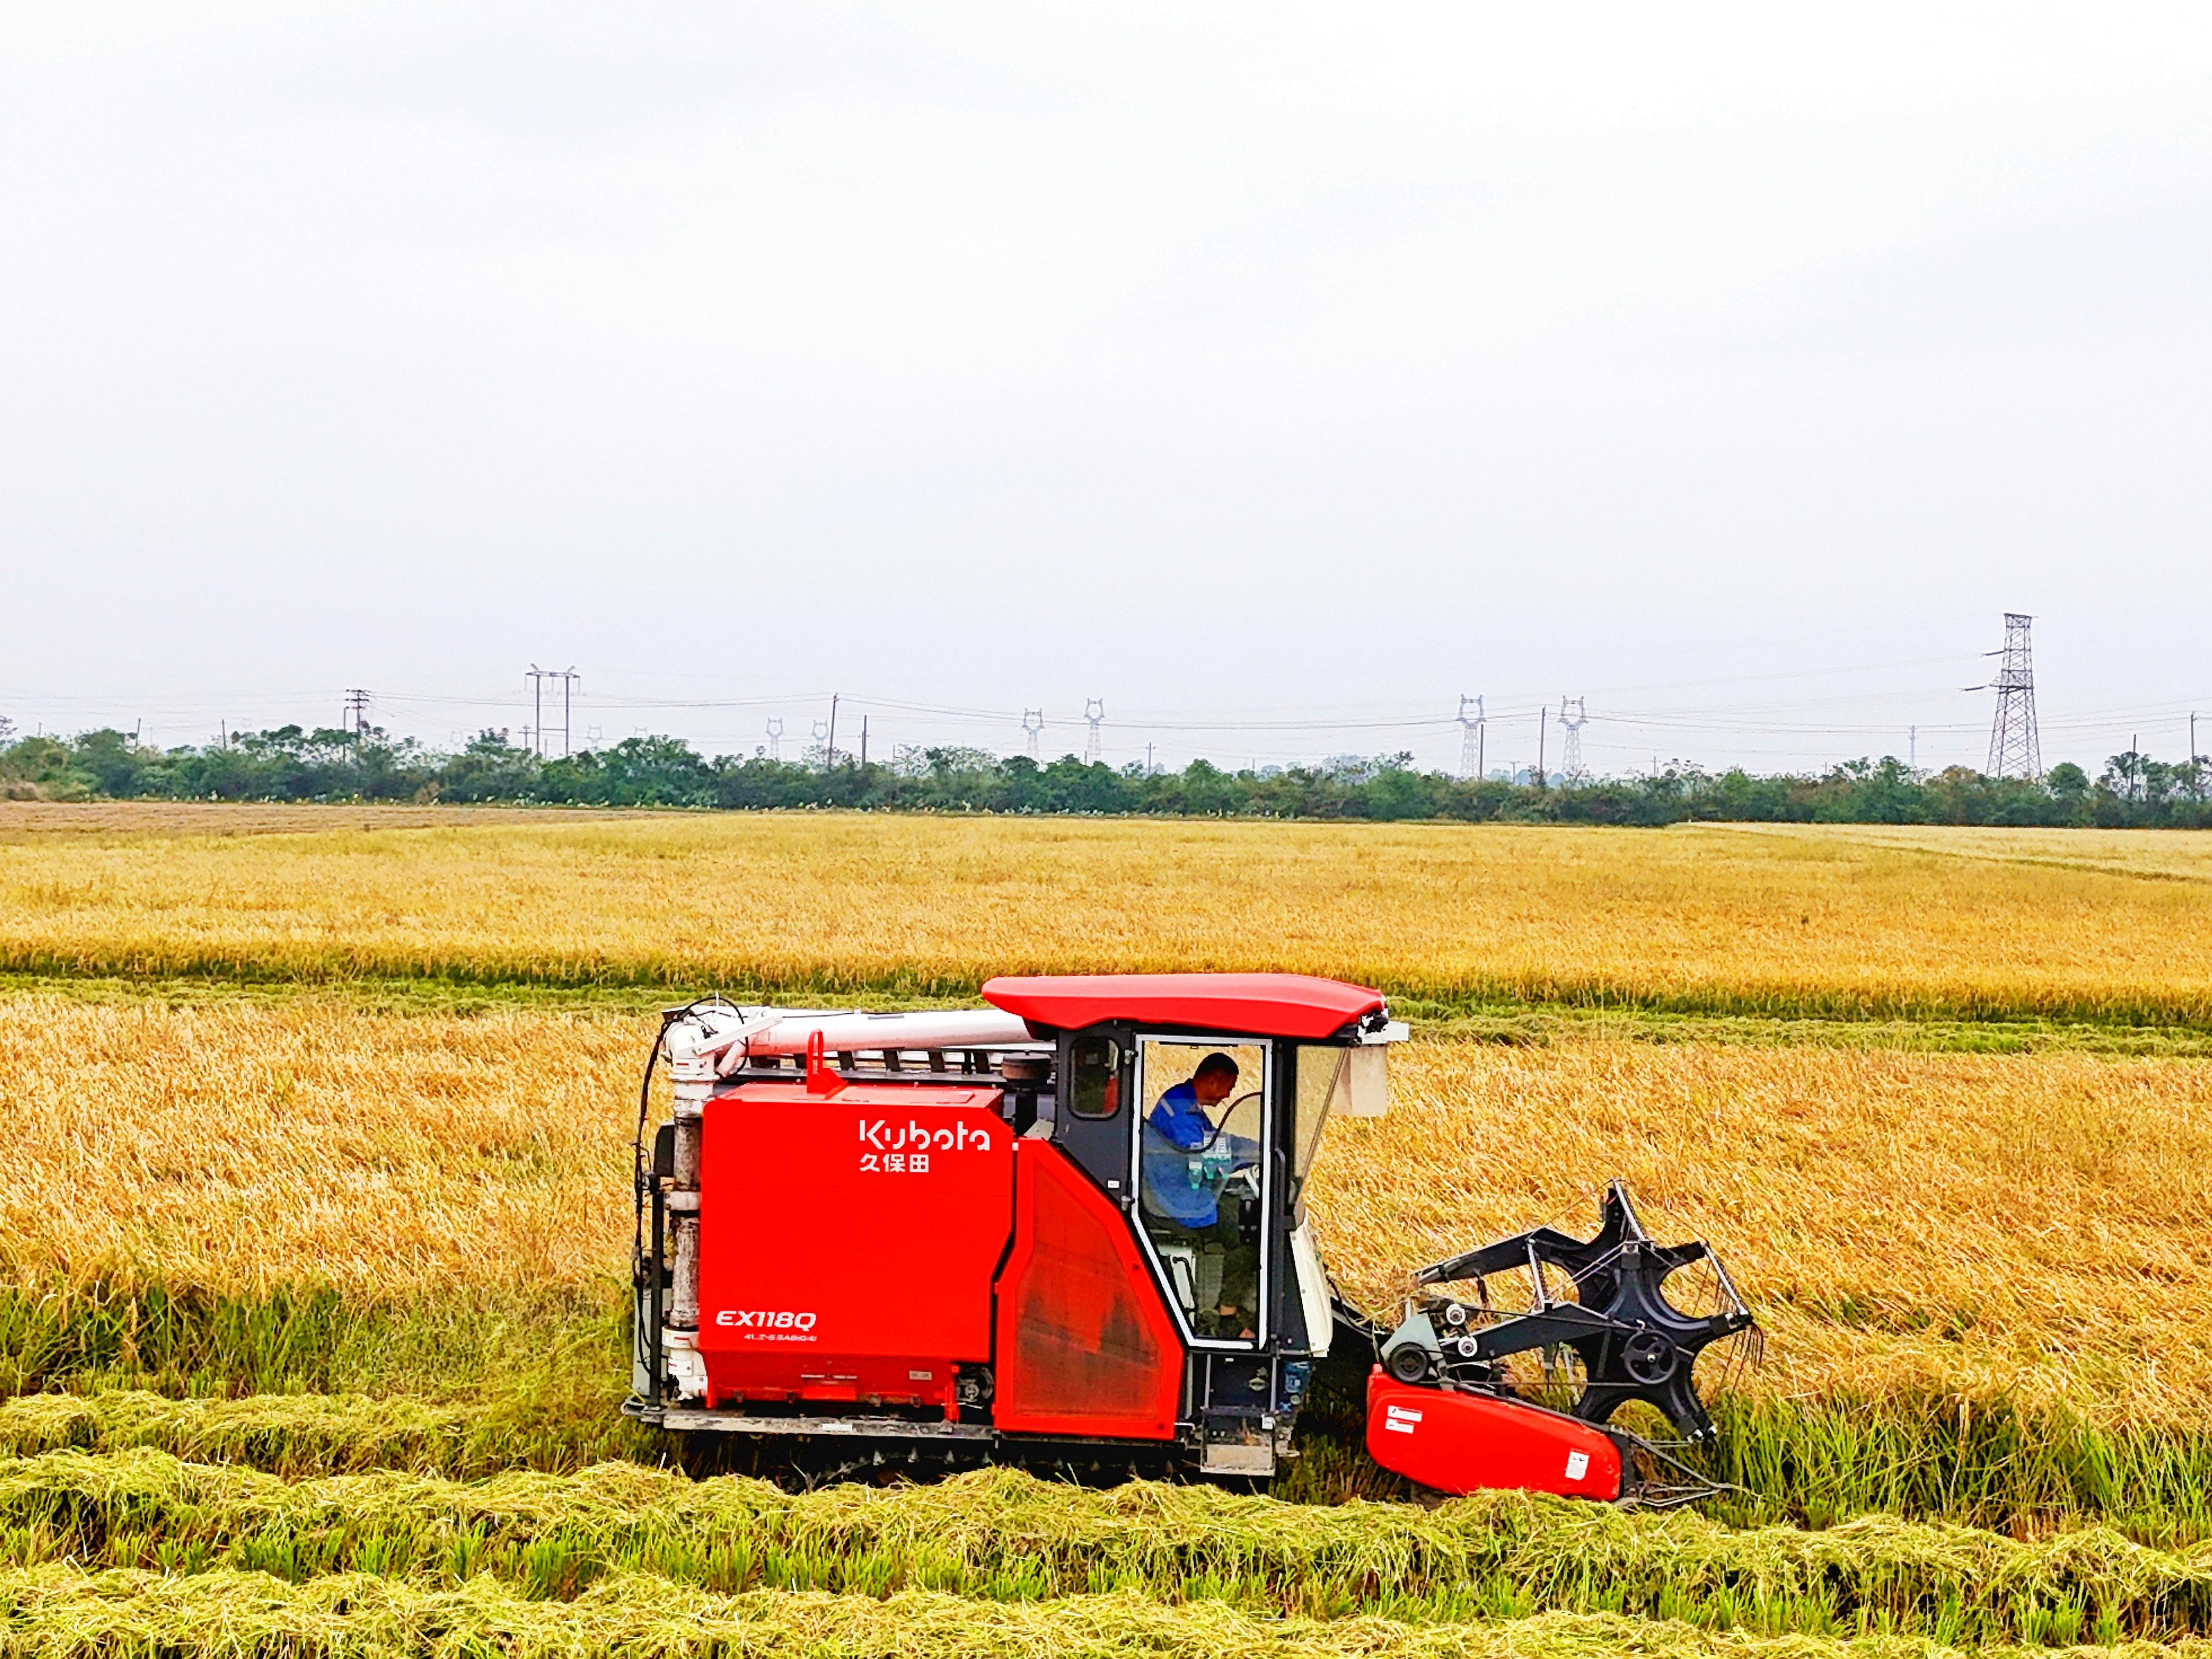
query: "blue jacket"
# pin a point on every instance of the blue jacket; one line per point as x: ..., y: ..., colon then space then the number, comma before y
x: 1182, y: 1183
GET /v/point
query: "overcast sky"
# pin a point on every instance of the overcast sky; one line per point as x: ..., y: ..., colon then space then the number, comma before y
x: 1261, y: 371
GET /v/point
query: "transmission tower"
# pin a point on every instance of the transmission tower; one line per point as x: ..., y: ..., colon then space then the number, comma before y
x: 1470, y: 738
x: 534, y: 733
x: 776, y: 737
x: 567, y: 677
x: 1094, y: 710
x: 1571, y: 746
x: 817, y: 755
x: 354, y: 717
x: 1032, y: 724
x: 2015, y: 751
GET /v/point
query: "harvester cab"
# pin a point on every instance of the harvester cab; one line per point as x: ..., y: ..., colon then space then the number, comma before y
x: 1071, y: 1228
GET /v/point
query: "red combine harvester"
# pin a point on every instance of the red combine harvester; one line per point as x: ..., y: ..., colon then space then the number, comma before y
x: 1070, y: 1229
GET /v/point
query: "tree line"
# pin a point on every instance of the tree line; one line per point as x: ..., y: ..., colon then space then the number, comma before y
x: 289, y: 764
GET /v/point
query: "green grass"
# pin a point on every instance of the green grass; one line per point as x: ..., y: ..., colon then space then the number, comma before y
x: 534, y: 1386
x: 1979, y: 1461
x: 538, y: 1387
x: 309, y: 1338
x: 1446, y: 994
x: 1002, y: 1536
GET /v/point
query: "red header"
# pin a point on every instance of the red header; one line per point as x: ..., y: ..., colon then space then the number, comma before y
x: 1255, y: 1005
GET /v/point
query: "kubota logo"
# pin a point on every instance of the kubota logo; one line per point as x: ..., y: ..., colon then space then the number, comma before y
x: 917, y: 1137
x: 761, y: 1319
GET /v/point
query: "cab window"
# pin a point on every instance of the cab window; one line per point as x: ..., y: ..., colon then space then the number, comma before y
x: 1094, y: 1082
x: 1201, y: 1177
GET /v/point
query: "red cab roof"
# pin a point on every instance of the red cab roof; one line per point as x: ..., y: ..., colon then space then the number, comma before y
x: 1258, y: 1004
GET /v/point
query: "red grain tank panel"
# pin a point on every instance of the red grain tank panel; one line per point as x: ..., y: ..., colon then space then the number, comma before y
x: 1262, y: 1005
x: 1463, y: 1442
x: 846, y: 1242
x: 1085, y: 1344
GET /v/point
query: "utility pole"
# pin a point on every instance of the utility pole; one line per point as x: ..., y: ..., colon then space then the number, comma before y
x: 864, y: 739
x: 1094, y: 710
x: 1470, y: 738
x: 1543, y: 782
x: 2014, y: 749
x: 1148, y: 759
x: 1032, y: 724
x: 354, y: 719
x: 829, y: 754
x: 1571, y: 747
x: 1912, y: 749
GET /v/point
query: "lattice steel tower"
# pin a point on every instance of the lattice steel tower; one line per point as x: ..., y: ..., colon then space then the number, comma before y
x: 2015, y: 751
x: 1094, y: 710
x: 1032, y: 724
x: 1470, y: 738
x: 1571, y: 746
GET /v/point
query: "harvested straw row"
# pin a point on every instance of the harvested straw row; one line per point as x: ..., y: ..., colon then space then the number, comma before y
x: 552, y: 1420
x: 1003, y: 1535
x: 1813, y: 1463
x: 1826, y: 921
x: 60, y: 1613
x: 287, y: 1434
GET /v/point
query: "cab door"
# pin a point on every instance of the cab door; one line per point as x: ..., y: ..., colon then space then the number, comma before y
x: 1201, y: 1167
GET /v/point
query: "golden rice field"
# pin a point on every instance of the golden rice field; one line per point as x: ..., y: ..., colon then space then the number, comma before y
x: 1902, y: 1220
x: 1735, y: 919
x: 396, y: 1227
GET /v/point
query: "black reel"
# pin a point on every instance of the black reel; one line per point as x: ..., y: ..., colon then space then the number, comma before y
x: 1633, y: 1343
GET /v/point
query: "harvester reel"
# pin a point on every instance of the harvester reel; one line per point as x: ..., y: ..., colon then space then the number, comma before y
x: 1633, y: 1343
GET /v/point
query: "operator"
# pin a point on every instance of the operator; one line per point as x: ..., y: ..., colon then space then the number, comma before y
x: 1186, y: 1163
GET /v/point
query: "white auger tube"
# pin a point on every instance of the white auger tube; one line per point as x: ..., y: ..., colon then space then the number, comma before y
x: 717, y: 1041
x: 845, y: 1034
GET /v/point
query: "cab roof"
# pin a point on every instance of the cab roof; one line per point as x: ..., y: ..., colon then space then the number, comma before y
x: 1255, y: 1005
